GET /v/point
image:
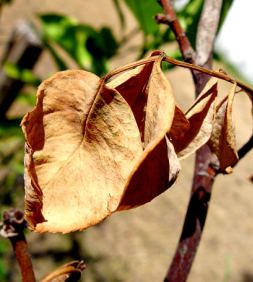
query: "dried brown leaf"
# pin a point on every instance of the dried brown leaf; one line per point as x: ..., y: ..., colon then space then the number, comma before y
x: 222, y: 141
x: 179, y: 129
x: 87, y: 146
x: 132, y: 85
x: 158, y: 168
x: 193, y: 129
x: 156, y: 172
x: 67, y: 272
x: 82, y: 143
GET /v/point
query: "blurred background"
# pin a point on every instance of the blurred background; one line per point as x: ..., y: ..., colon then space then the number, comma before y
x: 38, y: 38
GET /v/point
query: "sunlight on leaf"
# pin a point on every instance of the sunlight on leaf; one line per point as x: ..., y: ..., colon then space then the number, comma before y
x: 144, y: 11
x: 191, y: 131
x: 94, y: 147
x: 103, y: 157
x: 222, y: 141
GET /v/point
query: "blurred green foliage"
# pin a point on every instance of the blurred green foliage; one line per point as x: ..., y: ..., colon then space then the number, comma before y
x: 3, y: 267
x: 92, y: 49
x: 21, y: 74
x: 88, y: 47
x: 144, y: 11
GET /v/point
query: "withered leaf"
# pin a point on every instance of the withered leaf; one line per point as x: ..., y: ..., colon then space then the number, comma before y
x: 82, y: 142
x: 159, y: 166
x: 179, y: 128
x: 222, y: 141
x: 132, y: 85
x: 193, y: 129
x: 154, y: 175
x: 85, y: 142
x: 67, y: 272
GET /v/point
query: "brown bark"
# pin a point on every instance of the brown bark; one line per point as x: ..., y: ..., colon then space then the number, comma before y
x: 12, y: 227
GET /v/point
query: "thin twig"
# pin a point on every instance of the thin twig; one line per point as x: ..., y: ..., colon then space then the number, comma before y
x: 12, y: 228
x: 210, y: 73
x: 158, y: 54
x: 130, y: 66
x: 67, y: 272
x: 172, y: 20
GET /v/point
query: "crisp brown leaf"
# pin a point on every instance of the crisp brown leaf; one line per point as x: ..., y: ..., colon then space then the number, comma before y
x: 85, y: 142
x: 82, y: 143
x: 179, y: 129
x: 159, y: 166
x: 132, y: 85
x: 193, y: 129
x: 156, y: 173
x: 67, y: 272
x: 222, y: 141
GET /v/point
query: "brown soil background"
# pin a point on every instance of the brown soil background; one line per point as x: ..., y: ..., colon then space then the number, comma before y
x: 138, y: 245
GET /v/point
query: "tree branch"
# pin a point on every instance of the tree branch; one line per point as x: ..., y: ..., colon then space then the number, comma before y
x: 207, y: 29
x: 205, y: 165
x: 195, y: 217
x: 12, y: 228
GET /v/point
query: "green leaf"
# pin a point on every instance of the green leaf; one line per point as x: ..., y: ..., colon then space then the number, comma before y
x: 145, y: 11
x: 109, y: 45
x: 90, y: 48
x: 102, y: 46
x: 25, y: 75
x: 68, y: 34
x: 81, y: 33
x: 26, y: 98
x: 55, y: 25
x: 102, y: 43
